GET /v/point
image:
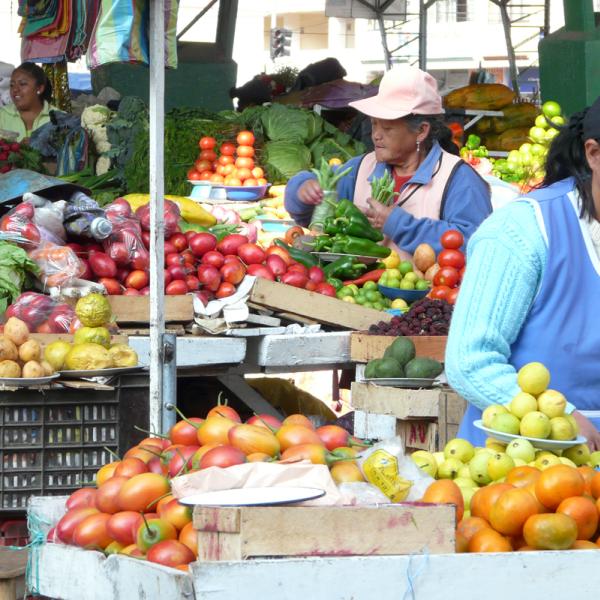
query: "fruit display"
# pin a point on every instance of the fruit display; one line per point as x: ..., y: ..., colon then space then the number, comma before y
x: 480, y: 96
x: 41, y: 313
x: 131, y: 510
x: 425, y: 317
x: 231, y: 166
x: 20, y: 355
x: 536, y: 412
x: 404, y: 278
x: 400, y: 360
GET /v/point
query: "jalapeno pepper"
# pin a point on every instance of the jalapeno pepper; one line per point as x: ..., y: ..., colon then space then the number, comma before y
x: 304, y: 258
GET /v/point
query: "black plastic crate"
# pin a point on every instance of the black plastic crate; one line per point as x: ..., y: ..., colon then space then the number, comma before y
x: 54, y: 441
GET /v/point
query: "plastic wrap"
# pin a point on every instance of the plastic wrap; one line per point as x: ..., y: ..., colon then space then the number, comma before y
x: 125, y: 245
x: 41, y: 313
x: 19, y: 220
x: 171, y: 217
x: 59, y: 265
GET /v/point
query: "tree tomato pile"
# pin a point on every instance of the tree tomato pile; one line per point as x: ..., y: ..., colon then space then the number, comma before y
x: 232, y: 165
x: 131, y: 510
x: 451, y: 266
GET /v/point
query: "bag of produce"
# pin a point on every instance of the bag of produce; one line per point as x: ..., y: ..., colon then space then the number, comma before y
x: 41, y: 313
x: 171, y: 217
x: 124, y: 245
x: 59, y: 265
x: 19, y: 221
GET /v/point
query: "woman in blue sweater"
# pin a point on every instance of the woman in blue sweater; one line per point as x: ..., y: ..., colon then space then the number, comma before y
x: 532, y: 287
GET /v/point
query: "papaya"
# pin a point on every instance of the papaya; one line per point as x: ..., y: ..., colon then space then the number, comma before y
x: 519, y: 115
x: 508, y: 140
x: 482, y: 96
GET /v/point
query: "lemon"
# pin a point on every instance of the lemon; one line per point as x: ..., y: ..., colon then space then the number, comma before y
x: 522, y: 404
x: 399, y: 303
x: 552, y: 403
x: 392, y: 261
x: 335, y: 161
x: 533, y: 378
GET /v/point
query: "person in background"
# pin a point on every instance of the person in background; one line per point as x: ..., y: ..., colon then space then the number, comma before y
x: 30, y: 92
x: 436, y: 189
x: 253, y: 93
x: 530, y: 292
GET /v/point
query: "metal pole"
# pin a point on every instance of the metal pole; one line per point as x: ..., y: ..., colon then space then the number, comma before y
x: 169, y: 397
x: 422, y: 36
x: 157, y: 123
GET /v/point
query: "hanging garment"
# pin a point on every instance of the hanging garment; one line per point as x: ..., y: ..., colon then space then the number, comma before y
x: 59, y: 79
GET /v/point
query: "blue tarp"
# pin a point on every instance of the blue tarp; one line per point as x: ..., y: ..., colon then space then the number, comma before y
x: 80, y: 82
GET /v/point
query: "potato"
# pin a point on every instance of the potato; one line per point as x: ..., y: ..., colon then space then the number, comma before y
x: 16, y: 331
x: 8, y: 350
x: 424, y: 257
x: 30, y: 350
x: 9, y: 368
x: 48, y: 369
x: 32, y: 369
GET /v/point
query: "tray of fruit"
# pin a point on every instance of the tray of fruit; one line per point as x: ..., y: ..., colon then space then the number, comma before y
x: 404, y: 382
x: 27, y: 381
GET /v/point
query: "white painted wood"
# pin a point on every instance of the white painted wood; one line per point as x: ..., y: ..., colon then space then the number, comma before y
x: 323, y: 348
x: 373, y: 426
x: 69, y: 573
x: 563, y: 575
x: 157, y: 192
x: 197, y: 351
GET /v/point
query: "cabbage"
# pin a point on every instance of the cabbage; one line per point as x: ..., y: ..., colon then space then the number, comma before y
x: 284, y: 159
x: 282, y: 124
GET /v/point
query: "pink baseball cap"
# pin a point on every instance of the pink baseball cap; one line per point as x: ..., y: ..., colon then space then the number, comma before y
x: 404, y: 90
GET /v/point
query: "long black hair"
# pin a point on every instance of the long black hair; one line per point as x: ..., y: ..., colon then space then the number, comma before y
x: 40, y: 78
x: 566, y: 158
x: 438, y: 131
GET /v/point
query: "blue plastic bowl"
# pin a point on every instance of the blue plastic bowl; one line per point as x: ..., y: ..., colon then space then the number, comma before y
x: 245, y: 193
x: 408, y: 295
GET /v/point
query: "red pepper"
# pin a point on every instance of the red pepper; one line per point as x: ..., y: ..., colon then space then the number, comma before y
x: 370, y: 276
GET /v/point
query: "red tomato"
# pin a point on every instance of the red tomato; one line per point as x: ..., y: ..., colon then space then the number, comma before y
x: 137, y: 280
x: 246, y: 151
x: 251, y: 254
x: 295, y: 279
x: 112, y: 286
x: 276, y: 264
x: 129, y: 467
x: 232, y: 273
x: 208, y: 155
x: 261, y: 271
x: 326, y: 289
x: 82, y: 498
x: 298, y: 268
x: 106, y: 496
x: 178, y: 272
x: 176, y: 288
x: 311, y: 286
x: 202, y: 165
x: 193, y: 175
x: 206, y: 175
x: 201, y: 243
x: 439, y: 292
x: 140, y: 491
x: 227, y: 149
x: 207, y: 143
x: 451, y: 258
x: 209, y: 277
x: 169, y: 248
x: 316, y: 274
x: 225, y: 289
x: 68, y: 523
x: 193, y: 283
x: 222, y: 456
x: 282, y: 252
x: 245, y: 163
x: 446, y: 276
x: 245, y: 138
x: 123, y: 526
x: 452, y: 239
x: 92, y: 533
x: 230, y: 243
x: 170, y: 553
x: 226, y: 159
x: 452, y: 295
x: 214, y: 258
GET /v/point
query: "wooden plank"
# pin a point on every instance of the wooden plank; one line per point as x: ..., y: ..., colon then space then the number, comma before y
x: 324, y: 309
x: 419, y: 435
x: 224, y: 519
x: 330, y: 530
x: 12, y: 563
x: 401, y: 403
x: 365, y: 347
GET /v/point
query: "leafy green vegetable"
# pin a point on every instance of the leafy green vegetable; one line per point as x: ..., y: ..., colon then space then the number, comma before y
x: 282, y: 160
x: 283, y: 124
x: 15, y: 266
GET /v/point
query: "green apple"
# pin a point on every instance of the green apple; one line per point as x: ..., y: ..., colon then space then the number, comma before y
x: 559, y: 121
x: 395, y: 273
x: 422, y: 284
x: 551, y: 134
x: 411, y: 277
x: 540, y: 121
x: 459, y: 448
x: 407, y: 285
x: 521, y: 449
x: 499, y: 465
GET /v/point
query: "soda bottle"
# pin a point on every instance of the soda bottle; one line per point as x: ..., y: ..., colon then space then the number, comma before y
x: 83, y: 218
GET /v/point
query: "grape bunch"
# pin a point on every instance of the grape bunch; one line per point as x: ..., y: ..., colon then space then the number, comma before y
x: 425, y: 317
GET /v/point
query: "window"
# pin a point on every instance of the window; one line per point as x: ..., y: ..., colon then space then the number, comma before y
x: 451, y: 11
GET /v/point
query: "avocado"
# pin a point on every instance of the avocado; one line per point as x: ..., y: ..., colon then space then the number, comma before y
x: 388, y: 367
x: 423, y: 368
x: 402, y: 349
x: 370, y: 368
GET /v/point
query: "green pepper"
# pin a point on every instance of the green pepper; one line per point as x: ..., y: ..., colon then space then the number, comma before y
x: 344, y: 267
x: 473, y: 141
x: 351, y: 220
x: 347, y: 244
x: 321, y: 243
x: 335, y: 282
x: 330, y: 226
x: 300, y: 256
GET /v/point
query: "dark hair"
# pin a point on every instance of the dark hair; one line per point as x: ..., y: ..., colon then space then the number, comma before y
x: 40, y: 78
x: 253, y: 93
x: 566, y: 158
x: 438, y: 131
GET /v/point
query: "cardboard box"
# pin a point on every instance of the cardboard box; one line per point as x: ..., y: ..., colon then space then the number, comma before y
x: 317, y: 307
x: 239, y: 533
x: 365, y: 347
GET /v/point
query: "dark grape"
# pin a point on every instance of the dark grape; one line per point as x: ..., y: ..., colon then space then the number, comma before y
x: 425, y: 317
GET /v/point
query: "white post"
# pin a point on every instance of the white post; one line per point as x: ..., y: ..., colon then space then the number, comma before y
x: 157, y: 295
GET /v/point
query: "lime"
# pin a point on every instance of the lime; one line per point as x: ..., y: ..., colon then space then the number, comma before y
x: 372, y: 295
x: 407, y: 285
x: 393, y: 273
x: 551, y: 109
x: 410, y: 277
x: 540, y: 121
x: 393, y: 282
x: 422, y: 284
x: 369, y: 285
x: 377, y: 306
x: 405, y: 267
x: 349, y: 299
x: 368, y: 304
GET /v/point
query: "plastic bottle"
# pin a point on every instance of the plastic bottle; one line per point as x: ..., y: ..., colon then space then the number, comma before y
x: 83, y: 218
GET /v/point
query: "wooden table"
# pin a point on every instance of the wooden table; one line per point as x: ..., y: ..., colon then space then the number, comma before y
x: 12, y: 572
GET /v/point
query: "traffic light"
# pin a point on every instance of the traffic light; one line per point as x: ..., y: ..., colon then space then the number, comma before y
x: 281, y: 40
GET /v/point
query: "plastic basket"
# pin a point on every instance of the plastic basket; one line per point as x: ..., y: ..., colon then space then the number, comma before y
x: 53, y: 442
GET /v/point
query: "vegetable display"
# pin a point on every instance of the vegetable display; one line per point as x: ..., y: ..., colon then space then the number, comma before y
x: 382, y: 189
x: 15, y: 268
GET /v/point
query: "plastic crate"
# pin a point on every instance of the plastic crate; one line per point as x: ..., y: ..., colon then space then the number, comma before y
x: 53, y: 442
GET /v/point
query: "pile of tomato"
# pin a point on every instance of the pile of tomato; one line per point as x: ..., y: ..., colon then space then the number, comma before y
x: 451, y: 264
x: 131, y: 510
x: 232, y: 165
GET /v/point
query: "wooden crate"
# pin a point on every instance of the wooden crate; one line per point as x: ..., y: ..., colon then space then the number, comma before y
x: 365, y: 347
x: 316, y: 307
x: 239, y: 533
x: 424, y: 419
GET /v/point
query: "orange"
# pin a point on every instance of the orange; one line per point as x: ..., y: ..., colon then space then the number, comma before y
x: 445, y: 491
x: 584, y: 512
x: 488, y: 540
x: 588, y: 474
x: 484, y: 498
x: 584, y: 545
x: 469, y: 526
x: 595, y: 485
x: 232, y: 181
x: 551, y: 531
x: 225, y: 159
x: 511, y: 510
x: 557, y: 483
x: 523, y: 476
x: 461, y: 544
x: 251, y: 182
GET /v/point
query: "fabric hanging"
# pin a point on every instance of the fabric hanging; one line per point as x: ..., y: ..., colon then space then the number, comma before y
x: 59, y: 79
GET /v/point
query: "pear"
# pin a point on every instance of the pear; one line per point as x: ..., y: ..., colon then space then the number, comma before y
x: 579, y: 454
x: 522, y: 404
x: 459, y: 448
x: 478, y: 468
x: 462, y: 482
x: 595, y: 460
x: 499, y: 465
x: 547, y: 460
x: 425, y: 461
x: 449, y: 468
x: 560, y: 429
x: 521, y: 449
x: 535, y: 425
x: 490, y: 412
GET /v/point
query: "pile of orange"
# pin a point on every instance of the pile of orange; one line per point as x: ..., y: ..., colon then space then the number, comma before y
x: 232, y: 165
x: 554, y: 509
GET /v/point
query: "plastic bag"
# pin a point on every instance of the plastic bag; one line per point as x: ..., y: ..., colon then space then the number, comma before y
x: 125, y: 245
x: 59, y: 265
x: 171, y: 217
x: 49, y: 218
x: 387, y: 467
x: 19, y: 221
x: 41, y: 313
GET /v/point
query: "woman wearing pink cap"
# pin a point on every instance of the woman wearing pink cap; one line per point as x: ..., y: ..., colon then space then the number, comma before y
x: 437, y: 190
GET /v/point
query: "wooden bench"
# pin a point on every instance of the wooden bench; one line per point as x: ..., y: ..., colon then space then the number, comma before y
x: 12, y: 573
